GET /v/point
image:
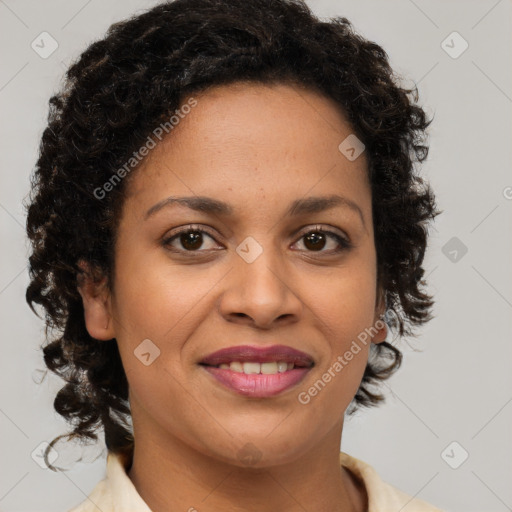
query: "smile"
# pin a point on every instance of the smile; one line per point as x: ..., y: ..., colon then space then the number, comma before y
x: 267, y: 368
x: 257, y: 380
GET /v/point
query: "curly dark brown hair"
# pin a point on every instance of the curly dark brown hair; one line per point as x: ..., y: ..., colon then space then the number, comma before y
x: 124, y: 85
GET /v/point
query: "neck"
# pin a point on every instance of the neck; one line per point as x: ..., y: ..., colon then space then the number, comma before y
x: 170, y: 475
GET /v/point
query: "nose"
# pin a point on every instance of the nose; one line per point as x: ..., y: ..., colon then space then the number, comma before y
x: 261, y: 294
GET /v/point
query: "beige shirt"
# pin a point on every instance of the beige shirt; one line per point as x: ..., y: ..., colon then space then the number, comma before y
x: 116, y: 492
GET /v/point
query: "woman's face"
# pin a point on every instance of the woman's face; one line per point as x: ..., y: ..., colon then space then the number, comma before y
x: 255, y: 277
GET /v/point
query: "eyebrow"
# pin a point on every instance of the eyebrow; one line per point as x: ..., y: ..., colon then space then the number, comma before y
x: 298, y: 207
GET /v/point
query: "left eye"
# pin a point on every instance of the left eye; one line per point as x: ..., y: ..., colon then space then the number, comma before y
x: 315, y: 240
x: 191, y: 240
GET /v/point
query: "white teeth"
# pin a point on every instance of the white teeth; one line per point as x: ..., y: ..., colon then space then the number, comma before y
x: 269, y: 368
x: 236, y: 367
x: 251, y: 368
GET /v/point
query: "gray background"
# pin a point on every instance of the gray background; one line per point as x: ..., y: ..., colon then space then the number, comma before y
x: 455, y: 383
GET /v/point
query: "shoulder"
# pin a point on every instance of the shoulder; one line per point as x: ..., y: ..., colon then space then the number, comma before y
x: 98, y: 500
x: 116, y: 492
x: 383, y: 497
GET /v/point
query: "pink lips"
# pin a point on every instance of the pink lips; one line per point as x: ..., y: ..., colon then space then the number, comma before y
x: 245, y: 353
x: 258, y: 385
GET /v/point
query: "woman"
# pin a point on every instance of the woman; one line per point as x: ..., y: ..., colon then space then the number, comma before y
x: 226, y: 218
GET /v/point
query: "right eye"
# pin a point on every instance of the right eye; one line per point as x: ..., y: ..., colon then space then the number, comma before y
x: 191, y: 238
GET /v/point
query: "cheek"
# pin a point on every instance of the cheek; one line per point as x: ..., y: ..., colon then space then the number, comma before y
x: 153, y: 295
x: 341, y: 370
x: 346, y: 302
x: 160, y: 302
x: 157, y: 306
x: 345, y: 313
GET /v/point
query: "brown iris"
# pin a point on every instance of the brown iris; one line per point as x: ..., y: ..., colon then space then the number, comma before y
x: 314, y: 240
x: 191, y: 240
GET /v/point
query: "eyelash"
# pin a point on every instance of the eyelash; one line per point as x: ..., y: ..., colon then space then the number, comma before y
x: 344, y: 243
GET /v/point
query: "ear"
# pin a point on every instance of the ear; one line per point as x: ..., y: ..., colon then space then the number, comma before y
x: 379, y: 325
x: 96, y: 301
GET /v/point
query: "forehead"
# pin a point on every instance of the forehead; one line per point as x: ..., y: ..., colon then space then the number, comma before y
x: 265, y: 141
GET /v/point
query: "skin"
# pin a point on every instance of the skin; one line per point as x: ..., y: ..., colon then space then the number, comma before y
x: 258, y: 148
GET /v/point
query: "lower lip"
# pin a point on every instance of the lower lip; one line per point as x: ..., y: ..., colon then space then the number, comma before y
x: 258, y: 385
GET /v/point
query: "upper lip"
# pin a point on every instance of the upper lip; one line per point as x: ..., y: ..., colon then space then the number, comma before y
x: 246, y: 353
